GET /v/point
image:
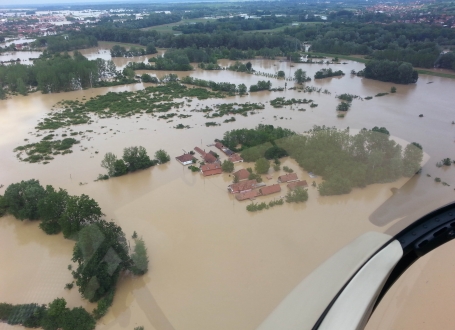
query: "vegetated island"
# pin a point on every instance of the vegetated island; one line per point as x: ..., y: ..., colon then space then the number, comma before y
x: 344, y: 161
x: 101, y: 253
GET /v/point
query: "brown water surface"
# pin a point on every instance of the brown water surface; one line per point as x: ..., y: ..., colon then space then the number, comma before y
x: 213, y: 265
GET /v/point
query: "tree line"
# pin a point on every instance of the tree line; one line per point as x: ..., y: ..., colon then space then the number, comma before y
x: 59, y: 73
x: 234, y: 24
x: 418, y: 44
x: 133, y: 159
x: 390, y: 71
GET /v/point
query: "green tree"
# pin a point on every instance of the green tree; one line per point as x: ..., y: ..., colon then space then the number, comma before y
x: 136, y: 158
x: 20, y: 87
x: 300, y: 76
x: 51, y: 208
x: 101, y: 253
x: 128, y: 72
x: 242, y: 89
x: 150, y: 49
x: 275, y: 152
x: 281, y: 74
x: 298, y: 195
x: 413, y: 156
x: 78, y: 319
x: 249, y: 66
x: 120, y: 167
x: 162, y: 156
x: 227, y: 166
x: 262, y: 166
x: 108, y: 163
x: 22, y: 199
x: 139, y: 258
x: 80, y: 211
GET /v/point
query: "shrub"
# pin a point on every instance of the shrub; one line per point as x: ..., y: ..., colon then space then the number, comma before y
x: 262, y: 166
x: 162, y: 156
x: 298, y: 195
x: 227, y: 166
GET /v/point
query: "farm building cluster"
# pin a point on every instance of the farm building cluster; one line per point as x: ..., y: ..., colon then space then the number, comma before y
x: 243, y: 187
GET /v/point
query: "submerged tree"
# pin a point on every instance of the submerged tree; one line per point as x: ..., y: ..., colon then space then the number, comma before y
x: 162, y: 156
x: 139, y: 258
x: 227, y: 166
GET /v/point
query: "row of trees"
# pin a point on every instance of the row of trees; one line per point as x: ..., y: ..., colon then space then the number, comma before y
x: 234, y: 24
x: 237, y: 40
x: 53, y: 316
x: 221, y: 86
x: 133, y: 159
x: 120, y: 51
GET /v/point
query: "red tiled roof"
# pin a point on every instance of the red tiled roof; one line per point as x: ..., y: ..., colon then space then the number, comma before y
x: 209, y: 158
x: 219, y: 145
x: 246, y: 195
x: 296, y: 184
x: 185, y: 158
x: 235, y: 158
x: 242, y: 174
x: 242, y: 186
x: 267, y: 190
x: 199, y: 150
x: 288, y: 177
x: 211, y: 169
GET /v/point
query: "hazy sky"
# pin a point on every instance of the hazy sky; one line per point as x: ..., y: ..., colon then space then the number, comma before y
x: 34, y: 3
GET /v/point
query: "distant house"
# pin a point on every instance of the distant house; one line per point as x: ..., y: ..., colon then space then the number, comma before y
x: 241, y: 187
x: 296, y: 184
x: 211, y: 169
x: 207, y: 157
x: 288, y: 178
x: 235, y: 158
x: 224, y: 149
x: 246, y: 195
x: 220, y: 146
x: 242, y: 174
x: 267, y: 190
x: 185, y: 159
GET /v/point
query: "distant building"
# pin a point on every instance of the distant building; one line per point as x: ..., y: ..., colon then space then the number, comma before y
x: 235, y: 158
x: 242, y: 174
x: 241, y: 187
x: 267, y: 190
x: 246, y: 195
x: 224, y: 149
x: 207, y: 157
x: 296, y: 184
x: 211, y: 169
x: 288, y: 178
x: 185, y: 159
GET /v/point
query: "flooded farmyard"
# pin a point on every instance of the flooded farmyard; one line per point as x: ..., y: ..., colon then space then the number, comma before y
x: 213, y: 265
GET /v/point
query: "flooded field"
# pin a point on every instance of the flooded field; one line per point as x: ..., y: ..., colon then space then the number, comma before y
x: 213, y: 265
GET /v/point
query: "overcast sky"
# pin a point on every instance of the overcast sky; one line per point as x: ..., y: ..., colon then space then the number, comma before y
x: 34, y: 3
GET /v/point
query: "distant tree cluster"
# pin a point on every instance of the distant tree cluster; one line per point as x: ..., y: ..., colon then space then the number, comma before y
x: 133, y: 159
x: 58, y: 73
x: 247, y: 138
x: 120, y: 51
x: 261, y: 85
x: 59, y: 43
x: 391, y: 71
x: 326, y: 73
x: 173, y: 59
x: 347, y: 161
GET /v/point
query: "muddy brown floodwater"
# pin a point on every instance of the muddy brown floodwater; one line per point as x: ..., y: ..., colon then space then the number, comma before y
x: 213, y: 265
